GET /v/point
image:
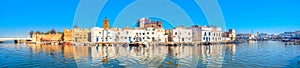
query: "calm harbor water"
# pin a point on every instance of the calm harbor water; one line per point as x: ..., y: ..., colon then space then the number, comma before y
x: 245, y: 55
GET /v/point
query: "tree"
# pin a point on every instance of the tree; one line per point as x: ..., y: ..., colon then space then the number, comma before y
x: 37, y: 32
x: 60, y: 32
x: 31, y: 33
x: 42, y: 32
x: 52, y: 31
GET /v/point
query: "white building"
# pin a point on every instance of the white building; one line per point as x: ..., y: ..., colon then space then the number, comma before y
x: 128, y: 35
x: 211, y: 34
x: 181, y: 35
x: 143, y: 35
x: 201, y: 34
x: 206, y: 34
x: 97, y: 34
x: 216, y: 34
x: 101, y: 35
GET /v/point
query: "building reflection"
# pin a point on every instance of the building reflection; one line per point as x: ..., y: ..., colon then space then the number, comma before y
x: 150, y: 56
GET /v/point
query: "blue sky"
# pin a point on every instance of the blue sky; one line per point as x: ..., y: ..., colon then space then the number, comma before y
x: 18, y: 17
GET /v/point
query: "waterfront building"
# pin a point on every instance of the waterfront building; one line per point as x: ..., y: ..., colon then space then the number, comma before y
x: 123, y: 35
x: 232, y: 34
x: 211, y: 34
x: 97, y: 34
x: 181, y: 35
x: 81, y: 35
x: 200, y: 33
x: 146, y: 22
x: 143, y: 35
x: 156, y: 35
x: 289, y: 34
x: 37, y: 37
x: 272, y: 36
x: 263, y: 36
x: 245, y: 36
x: 216, y: 34
x: 109, y: 35
x: 68, y: 35
x: 128, y: 35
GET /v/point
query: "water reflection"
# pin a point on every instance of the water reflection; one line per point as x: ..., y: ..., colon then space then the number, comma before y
x: 252, y: 54
x: 132, y: 56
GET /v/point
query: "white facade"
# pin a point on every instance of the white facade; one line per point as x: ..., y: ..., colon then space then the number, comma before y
x: 128, y: 35
x: 97, y: 34
x: 181, y: 35
x: 178, y: 35
x: 206, y: 34
x: 101, y: 35
x: 201, y: 34
x: 109, y: 36
x: 216, y: 34
x: 143, y: 35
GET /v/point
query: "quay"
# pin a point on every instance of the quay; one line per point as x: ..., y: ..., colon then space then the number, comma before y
x: 129, y: 44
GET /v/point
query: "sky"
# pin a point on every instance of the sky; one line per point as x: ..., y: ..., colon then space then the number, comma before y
x: 19, y: 17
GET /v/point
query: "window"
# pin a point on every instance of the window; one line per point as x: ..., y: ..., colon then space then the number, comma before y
x: 175, y: 33
x: 152, y: 32
x: 204, y: 33
x: 208, y: 33
x: 148, y: 33
x: 203, y: 38
x: 127, y: 32
x: 153, y: 38
x: 143, y: 33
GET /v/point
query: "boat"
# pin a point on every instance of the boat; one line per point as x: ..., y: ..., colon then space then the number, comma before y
x: 206, y: 43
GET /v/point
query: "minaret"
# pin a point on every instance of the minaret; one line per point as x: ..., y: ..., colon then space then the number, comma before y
x: 106, y: 24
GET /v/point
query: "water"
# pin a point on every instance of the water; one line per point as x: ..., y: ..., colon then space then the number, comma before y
x: 245, y: 55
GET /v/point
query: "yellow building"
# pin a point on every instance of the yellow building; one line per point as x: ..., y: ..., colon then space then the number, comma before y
x: 81, y: 35
x: 68, y: 35
x: 46, y: 37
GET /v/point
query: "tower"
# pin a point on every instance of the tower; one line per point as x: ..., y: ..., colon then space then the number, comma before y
x: 105, y: 24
